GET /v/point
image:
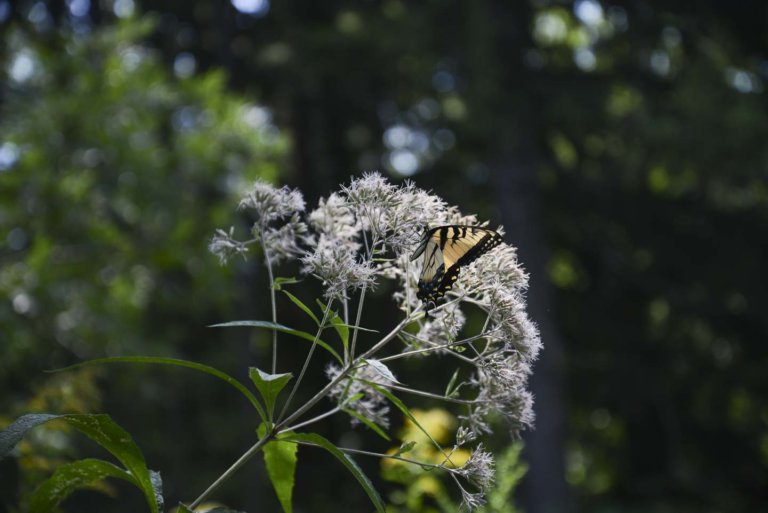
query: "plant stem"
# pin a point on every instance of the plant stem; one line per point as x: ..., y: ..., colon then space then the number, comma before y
x: 379, y: 455
x: 310, y: 421
x: 308, y: 358
x: 343, y: 373
x: 274, y: 309
x: 431, y: 395
x: 434, y: 348
x: 231, y: 470
x: 357, y: 322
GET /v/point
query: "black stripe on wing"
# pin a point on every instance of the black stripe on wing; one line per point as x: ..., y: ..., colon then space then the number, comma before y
x: 443, y: 280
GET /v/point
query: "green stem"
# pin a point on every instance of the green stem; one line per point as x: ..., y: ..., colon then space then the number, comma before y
x: 312, y: 420
x: 343, y: 374
x: 433, y: 348
x: 357, y: 322
x: 381, y: 455
x: 274, y: 309
x: 308, y: 358
x: 231, y: 470
x: 431, y: 395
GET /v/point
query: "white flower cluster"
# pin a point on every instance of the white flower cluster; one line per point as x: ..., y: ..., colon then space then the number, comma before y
x: 365, y: 233
x: 371, y: 404
x: 498, y: 284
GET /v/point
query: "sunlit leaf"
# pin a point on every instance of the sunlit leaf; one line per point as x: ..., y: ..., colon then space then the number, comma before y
x: 280, y: 459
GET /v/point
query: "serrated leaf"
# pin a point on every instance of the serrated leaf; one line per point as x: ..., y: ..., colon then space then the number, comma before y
x: 296, y: 301
x: 159, y: 360
x: 368, y: 422
x: 315, y: 439
x: 280, y: 459
x: 269, y: 386
x: 382, y: 369
x: 101, y: 429
x: 283, y: 329
x: 70, y: 477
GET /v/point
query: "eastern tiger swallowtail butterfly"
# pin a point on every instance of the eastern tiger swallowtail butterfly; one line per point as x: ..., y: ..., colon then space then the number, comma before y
x: 446, y: 250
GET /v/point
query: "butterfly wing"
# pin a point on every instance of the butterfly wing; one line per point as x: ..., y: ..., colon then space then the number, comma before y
x: 446, y: 250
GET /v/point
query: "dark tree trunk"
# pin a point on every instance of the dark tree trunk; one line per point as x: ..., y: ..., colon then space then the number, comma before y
x: 543, y: 489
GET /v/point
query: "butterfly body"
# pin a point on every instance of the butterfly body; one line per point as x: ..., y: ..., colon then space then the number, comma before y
x: 446, y: 250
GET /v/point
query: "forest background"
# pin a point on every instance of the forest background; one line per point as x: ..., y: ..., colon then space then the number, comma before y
x: 622, y: 145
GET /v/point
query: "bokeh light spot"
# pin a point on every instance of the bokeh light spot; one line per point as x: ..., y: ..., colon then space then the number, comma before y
x: 79, y: 8
x: 5, y: 10
x: 660, y: 63
x: 443, y: 81
x: 23, y: 66
x: 589, y: 12
x: 404, y: 162
x: 397, y: 136
x: 17, y: 239
x: 184, y: 65
x: 252, y: 7
x: 123, y: 8
x: 9, y: 155
x: 585, y: 59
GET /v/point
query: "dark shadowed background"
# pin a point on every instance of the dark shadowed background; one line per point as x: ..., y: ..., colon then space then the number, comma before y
x: 622, y: 145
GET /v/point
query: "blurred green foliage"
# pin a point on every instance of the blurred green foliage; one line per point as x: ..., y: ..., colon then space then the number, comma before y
x: 118, y: 176
x: 114, y: 176
x: 644, y: 122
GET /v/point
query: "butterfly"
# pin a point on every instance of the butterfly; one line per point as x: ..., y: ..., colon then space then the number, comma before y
x: 446, y: 250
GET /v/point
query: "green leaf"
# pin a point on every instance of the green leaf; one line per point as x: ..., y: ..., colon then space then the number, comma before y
x: 280, y: 458
x: 284, y: 329
x: 405, y: 447
x: 280, y: 281
x: 368, y: 422
x: 159, y: 360
x: 449, y: 389
x: 304, y: 308
x: 382, y: 370
x: 70, y: 477
x: 337, y: 323
x: 341, y: 328
x: 315, y: 439
x: 269, y: 386
x: 101, y: 429
x: 13, y: 434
